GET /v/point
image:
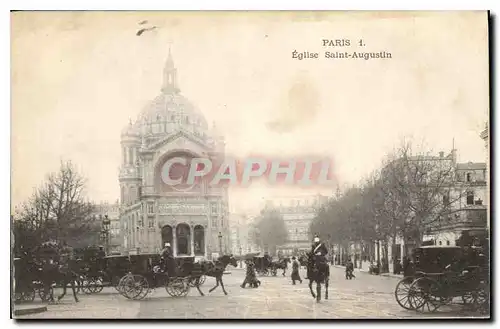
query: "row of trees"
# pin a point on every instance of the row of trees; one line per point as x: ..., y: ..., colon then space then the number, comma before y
x: 410, y: 195
x: 57, y: 211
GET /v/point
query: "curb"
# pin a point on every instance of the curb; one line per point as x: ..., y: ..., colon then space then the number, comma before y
x: 30, y: 310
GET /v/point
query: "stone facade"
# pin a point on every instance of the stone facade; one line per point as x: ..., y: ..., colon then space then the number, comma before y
x: 192, y: 218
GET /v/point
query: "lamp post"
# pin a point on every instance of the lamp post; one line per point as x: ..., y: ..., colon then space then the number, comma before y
x: 241, y: 260
x: 105, y: 233
x: 220, y: 243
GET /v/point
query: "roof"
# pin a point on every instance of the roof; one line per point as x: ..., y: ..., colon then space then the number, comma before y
x: 471, y: 166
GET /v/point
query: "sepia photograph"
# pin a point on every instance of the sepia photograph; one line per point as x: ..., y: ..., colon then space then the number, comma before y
x: 250, y: 165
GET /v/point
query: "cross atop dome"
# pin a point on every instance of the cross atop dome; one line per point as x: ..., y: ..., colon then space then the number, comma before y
x: 170, y: 85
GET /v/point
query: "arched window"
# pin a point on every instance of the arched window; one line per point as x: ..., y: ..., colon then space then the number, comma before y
x: 183, y: 233
x: 199, y: 240
x: 166, y: 235
x: 468, y: 177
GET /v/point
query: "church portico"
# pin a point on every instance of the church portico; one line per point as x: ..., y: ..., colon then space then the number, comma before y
x: 191, y: 217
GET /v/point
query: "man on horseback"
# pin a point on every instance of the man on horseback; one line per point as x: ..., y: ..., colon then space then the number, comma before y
x: 318, y: 249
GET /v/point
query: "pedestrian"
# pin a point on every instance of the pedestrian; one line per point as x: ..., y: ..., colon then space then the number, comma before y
x: 295, y: 271
x: 250, y: 277
x: 349, y: 270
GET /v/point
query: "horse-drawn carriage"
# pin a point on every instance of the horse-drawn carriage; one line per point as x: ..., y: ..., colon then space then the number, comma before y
x: 264, y: 265
x: 27, y: 280
x: 441, y: 274
x: 146, y: 274
x: 29, y: 270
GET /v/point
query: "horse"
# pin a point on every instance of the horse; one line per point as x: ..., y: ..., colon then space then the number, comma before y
x: 281, y: 264
x: 319, y: 272
x: 213, y: 269
x: 59, y: 274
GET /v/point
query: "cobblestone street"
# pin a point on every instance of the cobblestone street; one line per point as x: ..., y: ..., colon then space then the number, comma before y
x: 367, y: 296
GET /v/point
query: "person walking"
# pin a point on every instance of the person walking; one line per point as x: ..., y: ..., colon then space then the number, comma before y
x: 295, y: 271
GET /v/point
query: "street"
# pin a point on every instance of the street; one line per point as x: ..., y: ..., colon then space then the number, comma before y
x: 367, y: 296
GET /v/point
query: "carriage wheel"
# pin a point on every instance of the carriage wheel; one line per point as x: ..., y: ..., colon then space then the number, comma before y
x: 128, y: 288
x: 29, y: 294
x: 177, y: 287
x: 18, y: 296
x: 182, y: 286
x: 274, y: 271
x: 87, y: 286
x: 427, y: 295
x: 136, y: 286
x: 41, y: 293
x: 142, y: 285
x: 170, y: 287
x: 122, y: 283
x: 98, y: 285
x: 92, y: 285
x: 26, y: 295
x: 404, y: 295
x: 478, y: 299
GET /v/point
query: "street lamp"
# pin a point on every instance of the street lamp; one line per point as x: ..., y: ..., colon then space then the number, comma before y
x: 220, y: 243
x: 241, y: 260
x: 105, y: 233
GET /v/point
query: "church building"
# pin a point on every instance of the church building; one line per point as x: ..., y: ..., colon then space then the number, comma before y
x: 192, y: 218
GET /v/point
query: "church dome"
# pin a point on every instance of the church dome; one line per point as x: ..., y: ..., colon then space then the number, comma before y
x: 170, y: 111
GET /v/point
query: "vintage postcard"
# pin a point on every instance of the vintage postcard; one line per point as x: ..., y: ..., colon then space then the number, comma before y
x: 250, y: 165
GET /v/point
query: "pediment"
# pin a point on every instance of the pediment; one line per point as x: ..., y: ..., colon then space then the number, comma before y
x: 179, y: 140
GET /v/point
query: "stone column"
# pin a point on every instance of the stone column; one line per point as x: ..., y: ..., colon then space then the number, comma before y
x: 174, y: 240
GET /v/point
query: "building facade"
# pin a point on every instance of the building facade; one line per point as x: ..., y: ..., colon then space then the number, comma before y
x: 298, y: 213
x: 191, y: 217
x: 468, y: 208
x: 240, y: 233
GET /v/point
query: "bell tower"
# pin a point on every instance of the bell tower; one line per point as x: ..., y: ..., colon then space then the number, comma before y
x: 170, y: 76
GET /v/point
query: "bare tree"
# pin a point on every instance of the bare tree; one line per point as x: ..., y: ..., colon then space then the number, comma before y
x: 58, y: 210
x: 422, y: 190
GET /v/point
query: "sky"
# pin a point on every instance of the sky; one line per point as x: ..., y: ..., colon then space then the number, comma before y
x: 79, y: 77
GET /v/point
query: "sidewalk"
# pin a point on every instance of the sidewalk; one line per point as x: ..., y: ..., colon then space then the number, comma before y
x: 365, y: 270
x: 28, y: 308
